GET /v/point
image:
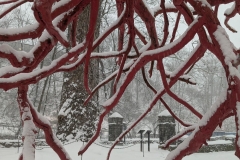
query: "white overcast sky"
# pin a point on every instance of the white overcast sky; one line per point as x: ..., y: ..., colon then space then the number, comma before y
x: 234, y: 22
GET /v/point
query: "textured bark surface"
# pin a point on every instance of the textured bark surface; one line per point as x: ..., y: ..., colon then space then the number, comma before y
x: 80, y: 121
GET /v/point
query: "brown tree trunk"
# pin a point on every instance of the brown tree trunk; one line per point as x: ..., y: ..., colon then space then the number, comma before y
x: 76, y: 121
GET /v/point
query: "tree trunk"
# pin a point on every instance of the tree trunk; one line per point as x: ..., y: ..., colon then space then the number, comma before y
x: 76, y: 121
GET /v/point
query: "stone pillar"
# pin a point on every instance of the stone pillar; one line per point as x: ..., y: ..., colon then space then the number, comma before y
x: 115, y: 126
x: 166, y: 125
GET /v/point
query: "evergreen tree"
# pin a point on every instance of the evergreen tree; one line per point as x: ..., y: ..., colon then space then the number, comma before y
x: 75, y: 120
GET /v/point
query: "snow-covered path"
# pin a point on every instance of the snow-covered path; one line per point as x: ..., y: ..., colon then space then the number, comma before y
x: 96, y: 152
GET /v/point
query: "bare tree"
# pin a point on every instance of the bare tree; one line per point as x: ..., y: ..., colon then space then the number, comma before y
x: 53, y: 18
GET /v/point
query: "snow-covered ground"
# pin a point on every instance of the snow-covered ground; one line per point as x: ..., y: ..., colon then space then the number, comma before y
x: 97, y: 152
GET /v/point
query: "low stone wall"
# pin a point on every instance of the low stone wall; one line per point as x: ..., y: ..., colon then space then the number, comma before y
x: 16, y: 143
x: 10, y: 144
x: 132, y: 141
x: 217, y: 148
x: 212, y: 148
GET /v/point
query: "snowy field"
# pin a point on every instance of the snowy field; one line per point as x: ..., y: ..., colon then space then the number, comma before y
x: 96, y: 152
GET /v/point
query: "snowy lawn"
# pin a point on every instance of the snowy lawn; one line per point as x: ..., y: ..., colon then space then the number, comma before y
x: 96, y: 152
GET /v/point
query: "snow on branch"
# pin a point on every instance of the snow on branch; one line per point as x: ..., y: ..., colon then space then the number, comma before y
x: 138, y: 41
